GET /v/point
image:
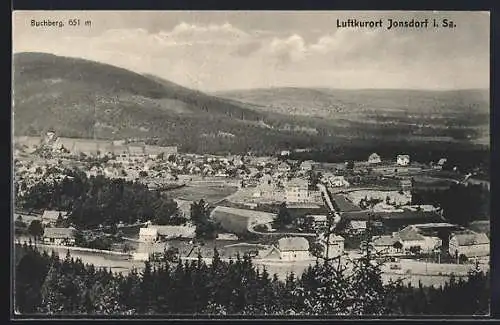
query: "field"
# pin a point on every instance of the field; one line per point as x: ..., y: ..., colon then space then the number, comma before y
x: 209, y: 192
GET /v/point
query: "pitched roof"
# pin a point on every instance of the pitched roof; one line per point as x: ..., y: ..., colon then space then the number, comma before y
x: 384, y: 241
x: 469, y: 239
x: 287, y: 244
x: 409, y: 234
x: 59, y: 233
x: 53, y: 214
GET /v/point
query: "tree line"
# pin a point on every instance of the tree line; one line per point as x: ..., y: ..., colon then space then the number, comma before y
x: 48, y: 284
x: 93, y: 201
x: 461, y: 204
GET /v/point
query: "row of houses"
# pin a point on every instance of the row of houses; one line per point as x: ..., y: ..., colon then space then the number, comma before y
x: 414, y: 238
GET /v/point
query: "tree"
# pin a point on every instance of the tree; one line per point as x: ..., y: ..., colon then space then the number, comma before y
x: 415, y: 250
x: 283, y: 218
x: 397, y: 245
x: 317, y: 250
x: 35, y: 229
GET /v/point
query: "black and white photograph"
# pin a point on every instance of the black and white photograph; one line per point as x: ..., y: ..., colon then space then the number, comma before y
x: 213, y: 164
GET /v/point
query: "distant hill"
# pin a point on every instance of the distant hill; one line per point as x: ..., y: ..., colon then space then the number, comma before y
x: 81, y: 98
x: 373, y: 103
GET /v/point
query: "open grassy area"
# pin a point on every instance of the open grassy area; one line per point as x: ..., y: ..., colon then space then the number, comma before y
x: 209, y: 193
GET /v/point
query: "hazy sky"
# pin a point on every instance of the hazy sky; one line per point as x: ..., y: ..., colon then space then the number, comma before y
x: 229, y: 50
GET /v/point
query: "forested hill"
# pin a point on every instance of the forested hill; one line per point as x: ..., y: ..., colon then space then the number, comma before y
x: 81, y: 98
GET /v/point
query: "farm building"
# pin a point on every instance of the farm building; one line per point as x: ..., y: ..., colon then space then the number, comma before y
x: 470, y: 244
x: 335, y: 245
x: 50, y: 217
x: 374, y: 159
x: 403, y: 160
x: 293, y: 248
x: 411, y: 237
x: 59, y: 236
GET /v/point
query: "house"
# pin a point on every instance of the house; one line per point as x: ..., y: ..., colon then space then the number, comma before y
x: 297, y: 190
x: 334, y: 245
x: 374, y: 159
x: 148, y: 235
x: 50, y: 217
x: 387, y: 245
x: 285, y: 153
x: 470, y: 244
x: 59, y: 236
x: 410, y: 236
x: 403, y: 160
x: 356, y: 227
x: 293, y: 248
x: 306, y: 166
x: 338, y: 181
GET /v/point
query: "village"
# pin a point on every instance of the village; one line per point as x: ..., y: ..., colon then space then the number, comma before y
x: 284, y: 213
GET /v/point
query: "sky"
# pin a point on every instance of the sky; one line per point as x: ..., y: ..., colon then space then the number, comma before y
x: 216, y: 51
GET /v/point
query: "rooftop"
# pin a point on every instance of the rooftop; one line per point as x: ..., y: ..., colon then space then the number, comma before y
x: 287, y: 244
x: 468, y: 239
x: 59, y: 233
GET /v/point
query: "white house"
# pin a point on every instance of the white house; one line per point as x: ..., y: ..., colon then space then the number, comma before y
x: 411, y: 237
x: 334, y: 245
x: 470, y: 244
x: 403, y: 160
x: 374, y: 159
x: 297, y: 190
x: 306, y: 166
x: 339, y: 181
x: 293, y: 248
x: 59, y: 236
x: 148, y: 235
